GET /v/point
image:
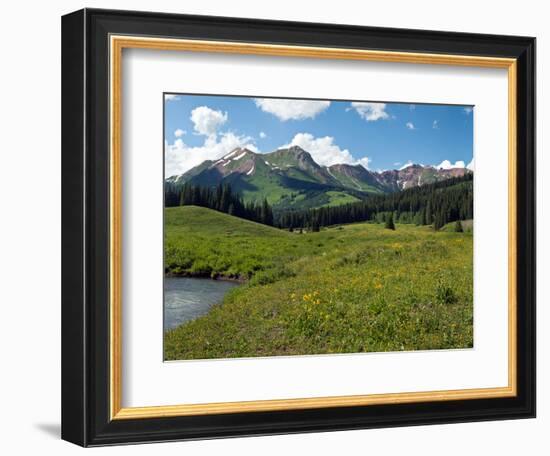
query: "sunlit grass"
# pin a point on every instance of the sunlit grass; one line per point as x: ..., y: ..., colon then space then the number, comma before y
x: 346, y: 289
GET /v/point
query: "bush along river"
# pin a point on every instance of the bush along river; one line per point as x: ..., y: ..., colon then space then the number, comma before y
x: 187, y: 298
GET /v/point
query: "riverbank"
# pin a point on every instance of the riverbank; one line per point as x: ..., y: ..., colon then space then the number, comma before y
x: 205, y: 276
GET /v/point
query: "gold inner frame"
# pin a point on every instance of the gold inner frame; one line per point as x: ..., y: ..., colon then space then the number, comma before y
x: 117, y: 44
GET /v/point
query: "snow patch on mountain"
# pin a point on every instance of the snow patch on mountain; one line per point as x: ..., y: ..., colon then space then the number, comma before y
x: 230, y: 154
x: 238, y: 157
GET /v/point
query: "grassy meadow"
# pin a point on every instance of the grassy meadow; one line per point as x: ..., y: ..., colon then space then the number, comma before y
x: 346, y: 289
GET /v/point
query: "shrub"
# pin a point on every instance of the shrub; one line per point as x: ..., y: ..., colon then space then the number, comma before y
x: 271, y: 276
x: 444, y: 293
x: 389, y: 223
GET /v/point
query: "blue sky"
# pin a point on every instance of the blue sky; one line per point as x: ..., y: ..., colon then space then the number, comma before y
x: 376, y: 135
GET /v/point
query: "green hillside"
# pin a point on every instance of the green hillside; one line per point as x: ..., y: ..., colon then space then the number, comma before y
x: 344, y: 289
x: 357, y: 178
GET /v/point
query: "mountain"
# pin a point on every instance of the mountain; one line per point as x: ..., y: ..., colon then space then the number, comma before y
x: 357, y: 178
x: 416, y: 175
x: 290, y: 178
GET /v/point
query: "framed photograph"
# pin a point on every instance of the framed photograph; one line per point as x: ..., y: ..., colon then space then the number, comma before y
x: 279, y: 227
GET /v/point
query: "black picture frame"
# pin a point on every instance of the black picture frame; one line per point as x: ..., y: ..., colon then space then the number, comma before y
x: 85, y: 227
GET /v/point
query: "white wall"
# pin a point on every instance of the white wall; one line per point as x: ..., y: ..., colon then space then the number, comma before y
x: 30, y: 226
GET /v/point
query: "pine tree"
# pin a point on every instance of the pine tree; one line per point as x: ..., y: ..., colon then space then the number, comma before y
x: 315, y: 224
x: 226, y: 198
x: 389, y: 223
x: 185, y: 197
x: 438, y: 221
x: 266, y: 215
x: 429, y: 216
x: 423, y: 217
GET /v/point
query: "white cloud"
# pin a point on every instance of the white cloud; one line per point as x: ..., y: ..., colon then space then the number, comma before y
x: 396, y: 163
x: 285, y: 109
x: 410, y: 126
x: 179, y: 157
x: 262, y: 135
x: 171, y: 97
x: 207, y: 121
x: 324, y: 151
x: 435, y: 125
x: 471, y: 165
x: 468, y: 110
x: 371, y: 112
x: 364, y: 162
x: 446, y: 164
x: 179, y: 133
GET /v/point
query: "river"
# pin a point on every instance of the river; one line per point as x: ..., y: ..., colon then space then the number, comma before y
x: 187, y: 298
